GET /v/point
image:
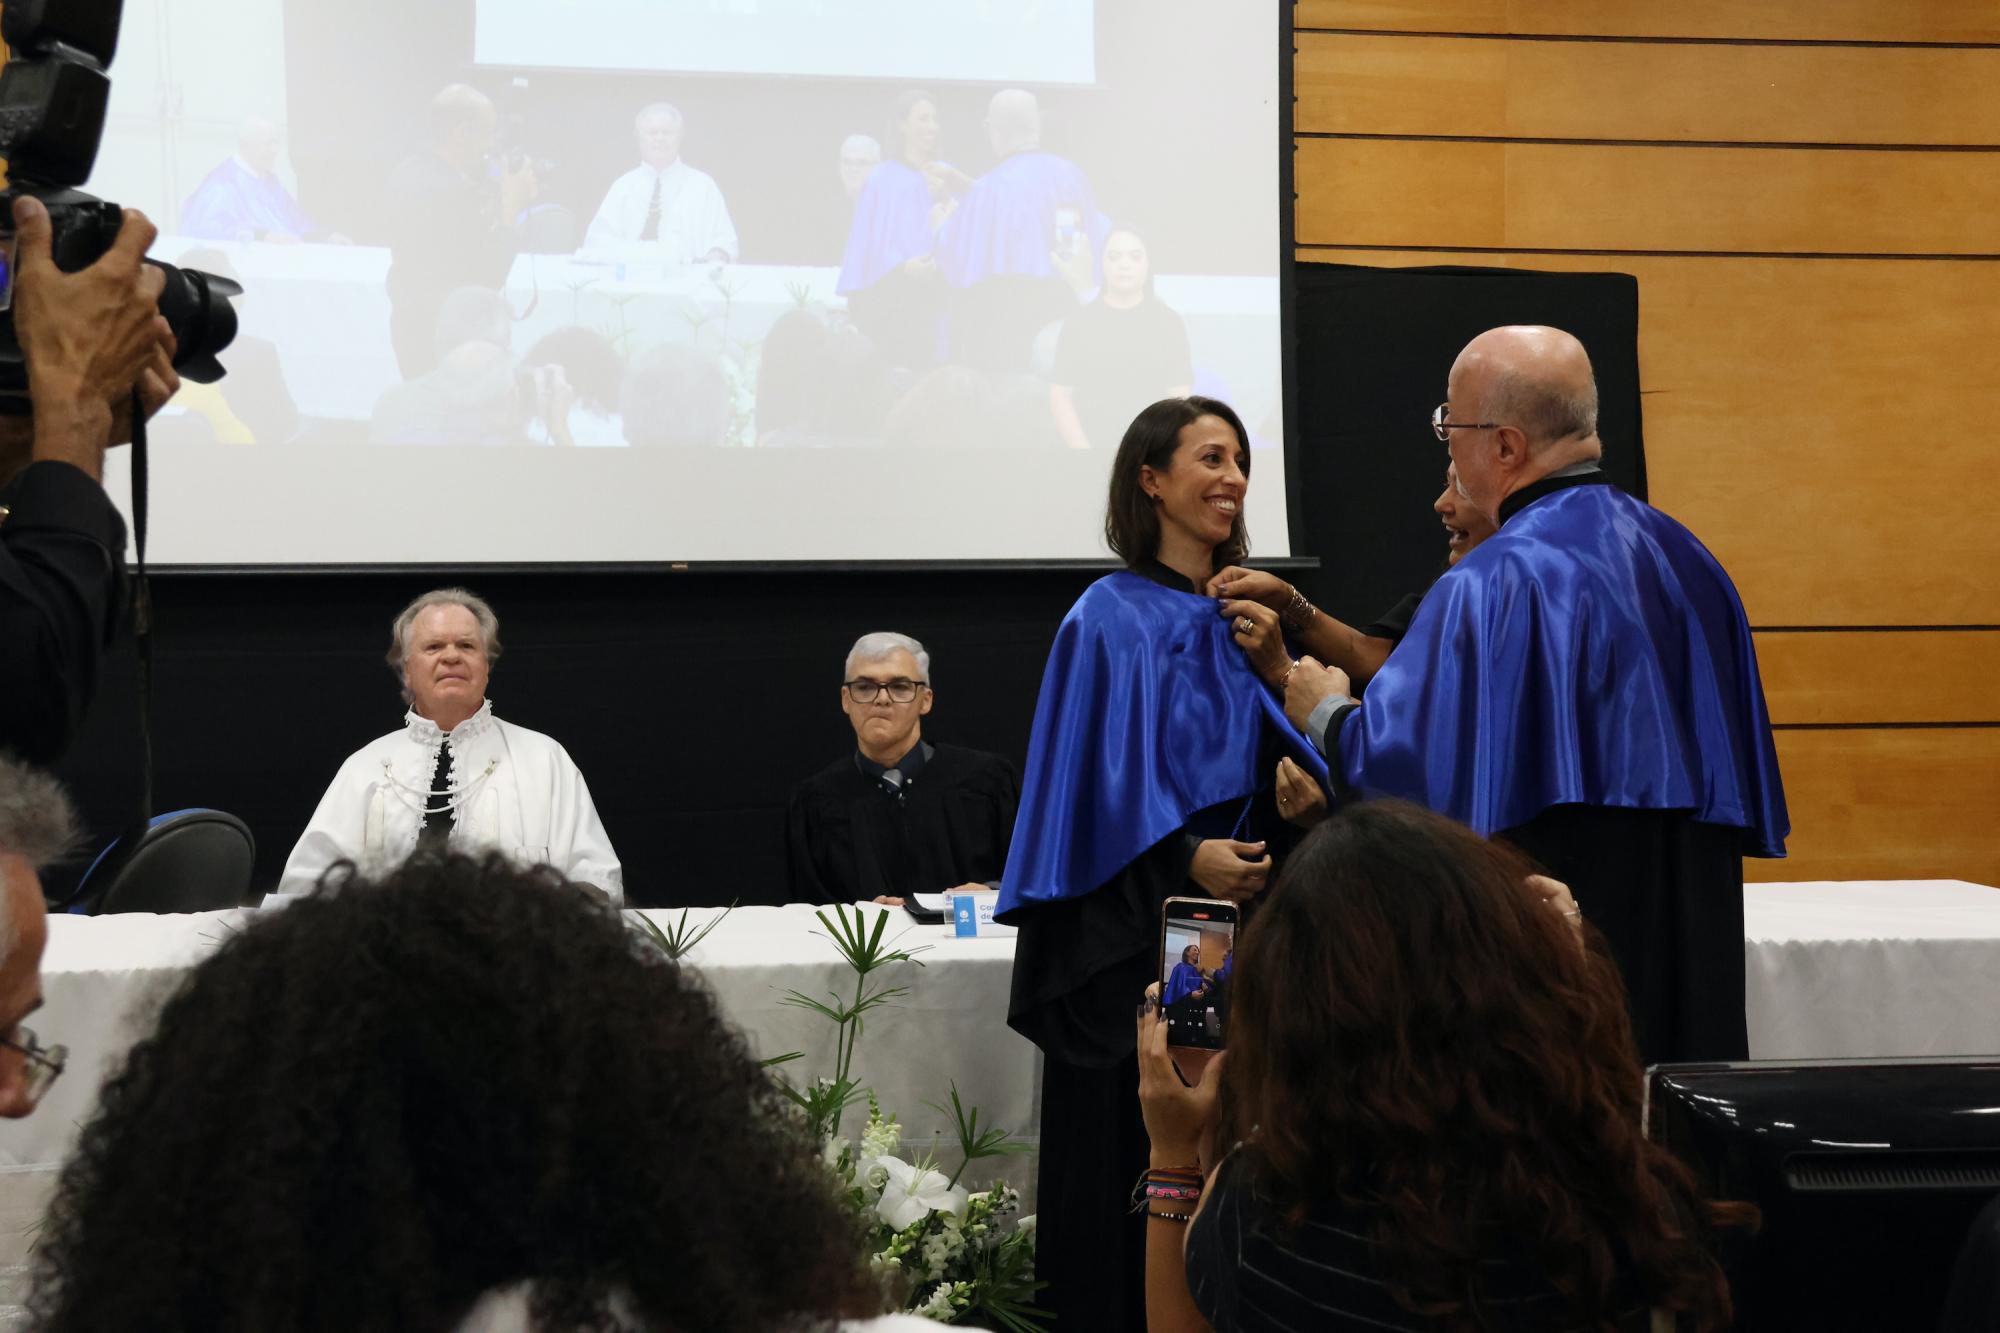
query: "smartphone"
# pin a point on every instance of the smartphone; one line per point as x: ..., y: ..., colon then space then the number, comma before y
x: 1068, y: 223
x: 7, y: 268
x: 1197, y: 947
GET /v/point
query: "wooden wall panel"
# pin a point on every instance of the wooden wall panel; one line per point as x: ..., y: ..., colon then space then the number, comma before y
x: 1897, y: 677
x: 1595, y: 197
x: 1755, y: 20
x: 1361, y: 84
x: 1890, y: 804
x: 1812, y: 422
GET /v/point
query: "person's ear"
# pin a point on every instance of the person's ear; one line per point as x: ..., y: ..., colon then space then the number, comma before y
x: 846, y: 701
x: 1512, y: 447
x: 1149, y: 482
x: 925, y: 698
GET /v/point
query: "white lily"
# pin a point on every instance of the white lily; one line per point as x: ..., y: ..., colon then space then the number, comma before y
x: 911, y: 1193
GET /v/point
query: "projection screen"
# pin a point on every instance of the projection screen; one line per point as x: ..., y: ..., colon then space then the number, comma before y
x: 698, y: 280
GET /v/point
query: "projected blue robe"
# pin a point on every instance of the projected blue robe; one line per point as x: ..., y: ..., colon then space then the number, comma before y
x: 234, y: 203
x: 1005, y: 226
x: 1584, y: 683
x: 892, y: 225
x: 1149, y: 717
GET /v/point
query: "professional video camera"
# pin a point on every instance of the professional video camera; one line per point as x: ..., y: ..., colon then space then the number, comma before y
x: 53, y: 94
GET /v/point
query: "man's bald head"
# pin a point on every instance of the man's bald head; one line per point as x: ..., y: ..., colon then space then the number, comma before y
x: 1014, y: 121
x: 1536, y: 387
x: 462, y: 123
x: 1532, y: 377
x: 257, y: 141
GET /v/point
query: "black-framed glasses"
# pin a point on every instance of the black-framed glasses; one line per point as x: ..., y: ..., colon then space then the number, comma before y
x: 42, y: 1064
x: 901, y: 690
x: 1443, y: 429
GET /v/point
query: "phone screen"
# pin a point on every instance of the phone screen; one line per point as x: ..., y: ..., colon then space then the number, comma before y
x: 1197, y: 947
x: 7, y: 269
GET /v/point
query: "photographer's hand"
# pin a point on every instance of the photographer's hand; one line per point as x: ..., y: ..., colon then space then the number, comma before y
x: 88, y: 338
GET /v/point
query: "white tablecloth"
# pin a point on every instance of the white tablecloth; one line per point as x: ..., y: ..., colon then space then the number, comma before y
x: 1863, y: 968
x: 103, y: 979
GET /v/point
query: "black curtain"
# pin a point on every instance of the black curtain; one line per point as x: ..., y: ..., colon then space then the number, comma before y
x: 1374, y: 346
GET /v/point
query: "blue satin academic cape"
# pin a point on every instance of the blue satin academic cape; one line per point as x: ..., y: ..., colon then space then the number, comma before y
x: 1006, y: 223
x: 892, y: 225
x: 1591, y: 652
x: 1149, y: 713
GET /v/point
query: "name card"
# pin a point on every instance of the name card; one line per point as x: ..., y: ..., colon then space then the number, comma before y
x: 972, y: 914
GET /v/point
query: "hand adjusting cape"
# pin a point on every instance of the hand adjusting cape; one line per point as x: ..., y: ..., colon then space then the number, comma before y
x: 1533, y: 676
x: 1149, y: 713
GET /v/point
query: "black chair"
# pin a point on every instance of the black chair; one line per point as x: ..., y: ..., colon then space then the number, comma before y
x: 185, y: 861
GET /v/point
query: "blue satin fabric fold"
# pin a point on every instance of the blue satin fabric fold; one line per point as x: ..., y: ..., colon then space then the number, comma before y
x: 1149, y: 713
x: 1005, y: 224
x: 1532, y: 677
x: 892, y: 225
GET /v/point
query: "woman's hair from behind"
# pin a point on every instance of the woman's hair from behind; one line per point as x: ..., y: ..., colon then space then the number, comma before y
x: 1131, y: 517
x: 367, y: 1110
x: 1416, y: 1034
x: 590, y: 363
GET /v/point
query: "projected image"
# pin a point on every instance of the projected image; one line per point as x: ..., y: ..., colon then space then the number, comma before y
x: 1197, y: 966
x: 935, y: 228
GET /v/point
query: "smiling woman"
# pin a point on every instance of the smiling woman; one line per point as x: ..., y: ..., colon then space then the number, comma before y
x: 454, y: 776
x: 1150, y: 774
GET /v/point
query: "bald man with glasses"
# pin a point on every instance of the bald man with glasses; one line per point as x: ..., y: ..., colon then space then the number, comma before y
x: 898, y: 815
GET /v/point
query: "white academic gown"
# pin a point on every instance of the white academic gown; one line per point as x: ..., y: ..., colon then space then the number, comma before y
x: 515, y: 790
x: 693, y: 218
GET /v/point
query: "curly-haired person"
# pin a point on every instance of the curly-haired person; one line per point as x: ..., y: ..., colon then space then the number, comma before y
x: 1432, y: 1106
x: 461, y: 1096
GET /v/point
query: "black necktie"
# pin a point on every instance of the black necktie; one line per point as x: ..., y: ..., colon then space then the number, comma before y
x: 651, y: 231
x: 892, y: 782
x: 437, y: 804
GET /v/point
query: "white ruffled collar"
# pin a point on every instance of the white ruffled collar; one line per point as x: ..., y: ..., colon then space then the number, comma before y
x: 425, y: 732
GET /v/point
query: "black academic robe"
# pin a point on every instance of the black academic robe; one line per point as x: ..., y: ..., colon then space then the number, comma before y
x: 1664, y: 889
x: 848, y: 840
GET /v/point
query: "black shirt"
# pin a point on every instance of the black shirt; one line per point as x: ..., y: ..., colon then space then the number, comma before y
x: 62, y: 591
x: 1118, y: 362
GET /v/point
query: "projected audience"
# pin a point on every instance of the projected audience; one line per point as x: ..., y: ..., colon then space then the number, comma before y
x: 819, y: 387
x: 469, y: 397
x: 676, y: 397
x: 453, y: 776
x: 593, y: 371
x: 663, y: 202
x: 243, y: 199
x: 451, y: 224
x: 1122, y: 351
x: 889, y: 274
x: 1007, y: 247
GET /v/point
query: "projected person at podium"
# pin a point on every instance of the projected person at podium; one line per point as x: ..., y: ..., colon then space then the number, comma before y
x: 1000, y: 248
x: 663, y: 206
x: 243, y: 199
x: 454, y: 776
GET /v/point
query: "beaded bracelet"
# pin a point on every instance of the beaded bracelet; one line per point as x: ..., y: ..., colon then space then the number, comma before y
x: 1298, y: 612
x: 1182, y: 1218
x: 1183, y: 1192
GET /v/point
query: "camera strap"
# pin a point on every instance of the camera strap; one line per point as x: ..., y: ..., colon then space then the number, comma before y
x: 142, y: 614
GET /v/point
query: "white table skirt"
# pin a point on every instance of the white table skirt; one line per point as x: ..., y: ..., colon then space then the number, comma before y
x: 104, y: 979
x: 1870, y: 968
x: 1834, y: 969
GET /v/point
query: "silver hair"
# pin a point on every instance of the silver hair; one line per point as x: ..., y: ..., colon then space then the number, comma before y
x: 874, y: 647
x: 399, y: 629
x: 37, y: 824
x: 652, y: 109
x: 862, y: 143
x: 1543, y: 411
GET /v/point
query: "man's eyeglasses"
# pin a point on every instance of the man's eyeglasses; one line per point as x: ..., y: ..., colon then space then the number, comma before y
x: 900, y: 690
x: 1443, y: 429
x: 42, y: 1064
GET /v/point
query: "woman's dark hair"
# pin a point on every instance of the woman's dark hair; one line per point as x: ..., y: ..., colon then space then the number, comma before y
x: 905, y: 104
x: 368, y: 1109
x: 590, y: 364
x: 1131, y: 518
x: 1417, y: 1034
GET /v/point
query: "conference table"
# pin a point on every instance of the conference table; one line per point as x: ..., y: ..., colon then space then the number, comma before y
x: 1904, y: 968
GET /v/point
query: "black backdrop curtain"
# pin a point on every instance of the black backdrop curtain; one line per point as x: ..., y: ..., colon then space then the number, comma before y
x: 693, y: 701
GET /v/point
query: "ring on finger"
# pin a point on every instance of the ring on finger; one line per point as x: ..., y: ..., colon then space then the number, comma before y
x: 1245, y: 624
